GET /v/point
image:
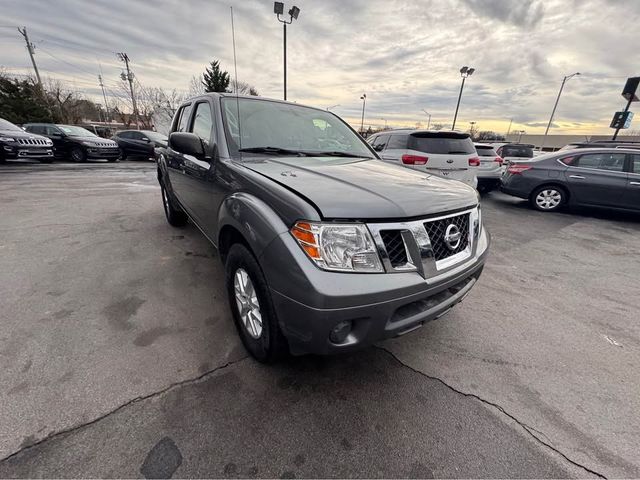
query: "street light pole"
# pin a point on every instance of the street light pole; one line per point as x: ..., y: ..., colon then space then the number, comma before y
x: 364, y: 101
x: 332, y: 106
x: 278, y: 9
x: 464, y: 73
x: 553, y: 112
x: 429, y: 122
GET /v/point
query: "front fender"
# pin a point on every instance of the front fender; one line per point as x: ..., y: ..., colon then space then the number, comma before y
x: 258, y: 223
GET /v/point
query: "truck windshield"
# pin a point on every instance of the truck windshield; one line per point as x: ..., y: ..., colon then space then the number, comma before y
x: 274, y: 128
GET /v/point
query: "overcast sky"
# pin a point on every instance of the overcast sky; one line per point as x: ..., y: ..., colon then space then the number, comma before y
x: 405, y: 55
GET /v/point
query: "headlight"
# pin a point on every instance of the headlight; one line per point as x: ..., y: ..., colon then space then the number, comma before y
x: 338, y: 246
x: 7, y: 139
x: 88, y: 144
x: 49, y: 142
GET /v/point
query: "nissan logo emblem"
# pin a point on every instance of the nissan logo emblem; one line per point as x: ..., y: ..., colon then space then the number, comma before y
x: 452, y: 237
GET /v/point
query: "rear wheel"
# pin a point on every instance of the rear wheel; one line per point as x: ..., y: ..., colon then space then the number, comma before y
x: 78, y: 154
x: 548, y: 198
x: 175, y: 216
x: 252, y: 307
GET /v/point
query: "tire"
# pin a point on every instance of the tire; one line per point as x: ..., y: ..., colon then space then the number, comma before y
x: 261, y: 334
x: 175, y: 216
x: 78, y: 155
x: 548, y: 198
x: 123, y: 156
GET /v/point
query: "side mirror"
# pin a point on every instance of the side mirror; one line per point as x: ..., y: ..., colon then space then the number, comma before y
x: 379, y: 147
x: 187, y: 144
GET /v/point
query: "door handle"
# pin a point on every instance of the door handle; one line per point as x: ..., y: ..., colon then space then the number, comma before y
x: 579, y: 177
x: 634, y: 183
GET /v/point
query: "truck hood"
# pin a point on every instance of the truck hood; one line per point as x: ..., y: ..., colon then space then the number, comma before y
x: 347, y: 188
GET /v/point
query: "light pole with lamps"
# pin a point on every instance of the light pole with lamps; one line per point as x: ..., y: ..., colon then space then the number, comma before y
x: 332, y: 106
x: 429, y: 122
x: 553, y: 112
x: 464, y: 73
x: 364, y: 102
x: 278, y: 9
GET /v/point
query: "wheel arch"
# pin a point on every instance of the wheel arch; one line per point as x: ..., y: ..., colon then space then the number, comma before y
x: 244, y: 218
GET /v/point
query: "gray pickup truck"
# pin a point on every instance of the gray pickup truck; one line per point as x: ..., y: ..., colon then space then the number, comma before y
x: 326, y: 248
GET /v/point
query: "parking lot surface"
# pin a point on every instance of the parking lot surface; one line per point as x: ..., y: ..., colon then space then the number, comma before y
x: 120, y: 358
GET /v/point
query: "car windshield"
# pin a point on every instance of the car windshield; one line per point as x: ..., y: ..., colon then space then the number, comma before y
x: 4, y: 125
x: 453, y: 143
x: 521, y: 151
x: 284, y: 129
x: 158, y: 137
x: 76, y: 131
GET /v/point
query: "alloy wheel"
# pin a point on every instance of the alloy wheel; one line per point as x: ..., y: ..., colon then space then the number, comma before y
x: 548, y: 199
x: 247, y: 302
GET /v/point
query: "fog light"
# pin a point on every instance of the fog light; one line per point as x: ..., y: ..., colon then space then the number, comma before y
x: 340, y: 332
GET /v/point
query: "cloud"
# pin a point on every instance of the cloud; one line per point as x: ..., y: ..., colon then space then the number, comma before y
x: 405, y: 55
x: 522, y: 13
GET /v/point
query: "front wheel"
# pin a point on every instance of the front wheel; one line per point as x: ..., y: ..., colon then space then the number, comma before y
x: 548, y: 198
x: 78, y: 155
x: 252, y: 307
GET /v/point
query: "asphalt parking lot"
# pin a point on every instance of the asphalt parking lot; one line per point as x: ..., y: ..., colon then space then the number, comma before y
x: 119, y: 357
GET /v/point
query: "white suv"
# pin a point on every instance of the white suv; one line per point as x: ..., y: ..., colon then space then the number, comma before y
x: 490, y: 170
x: 446, y: 154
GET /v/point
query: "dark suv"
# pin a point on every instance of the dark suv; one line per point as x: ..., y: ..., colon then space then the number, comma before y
x: 326, y: 248
x: 77, y: 143
x: 139, y: 143
x: 16, y: 143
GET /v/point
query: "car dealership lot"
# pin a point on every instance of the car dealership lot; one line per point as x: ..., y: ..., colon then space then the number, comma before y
x: 120, y: 358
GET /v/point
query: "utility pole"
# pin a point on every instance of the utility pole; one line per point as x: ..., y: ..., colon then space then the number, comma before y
x: 364, y: 102
x: 429, y: 122
x: 31, y: 48
x: 106, y: 105
x: 555, y: 105
x: 509, y: 129
x: 129, y: 76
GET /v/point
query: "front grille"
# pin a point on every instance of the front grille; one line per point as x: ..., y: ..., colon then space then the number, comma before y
x: 394, y: 244
x: 437, y: 230
x: 31, y: 141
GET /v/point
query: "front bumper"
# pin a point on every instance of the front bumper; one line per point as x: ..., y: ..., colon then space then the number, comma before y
x: 310, y: 302
x: 29, y: 153
x: 108, y: 153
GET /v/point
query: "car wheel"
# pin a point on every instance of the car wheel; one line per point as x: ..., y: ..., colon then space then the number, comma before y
x: 78, y: 155
x: 175, y: 216
x: 252, y: 307
x: 123, y: 155
x: 548, y: 198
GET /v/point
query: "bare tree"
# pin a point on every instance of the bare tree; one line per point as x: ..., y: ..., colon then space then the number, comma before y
x: 195, y: 86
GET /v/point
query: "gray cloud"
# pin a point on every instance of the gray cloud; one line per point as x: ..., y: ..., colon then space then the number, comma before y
x: 523, y: 13
x: 404, y: 55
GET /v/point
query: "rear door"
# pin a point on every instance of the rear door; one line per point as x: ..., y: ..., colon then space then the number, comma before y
x: 632, y: 193
x: 176, y: 160
x: 141, y: 144
x: 488, y: 159
x: 598, y: 179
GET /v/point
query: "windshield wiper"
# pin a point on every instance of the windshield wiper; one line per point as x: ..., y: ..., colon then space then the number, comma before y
x: 274, y: 151
x: 337, y: 154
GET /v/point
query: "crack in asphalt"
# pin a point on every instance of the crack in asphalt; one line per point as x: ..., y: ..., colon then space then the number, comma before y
x: 530, y: 430
x: 135, y: 400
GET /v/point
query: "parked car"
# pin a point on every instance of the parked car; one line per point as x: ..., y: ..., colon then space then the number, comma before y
x: 515, y: 152
x: 16, y: 143
x: 603, y: 177
x: 446, y: 154
x: 76, y: 143
x: 490, y: 169
x: 326, y: 248
x: 601, y: 144
x: 139, y: 143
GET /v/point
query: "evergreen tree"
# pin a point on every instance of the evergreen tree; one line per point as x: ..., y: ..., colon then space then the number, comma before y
x: 215, y: 79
